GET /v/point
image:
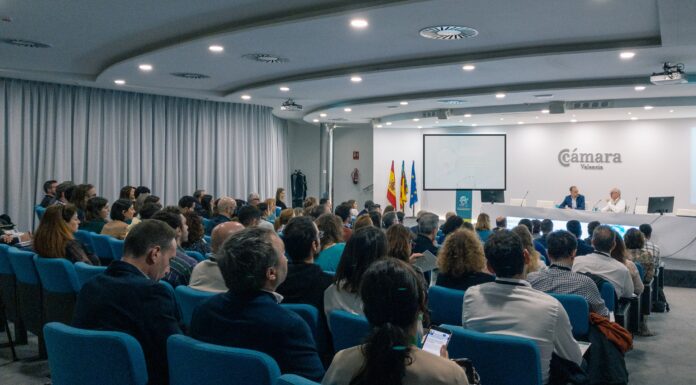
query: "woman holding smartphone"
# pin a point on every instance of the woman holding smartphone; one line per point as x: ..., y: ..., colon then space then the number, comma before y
x: 393, y: 300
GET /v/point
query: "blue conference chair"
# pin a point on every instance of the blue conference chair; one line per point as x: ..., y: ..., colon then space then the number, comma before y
x: 85, y: 272
x: 102, y: 248
x: 310, y: 315
x: 195, y: 255
x: 445, y: 305
x: 193, y: 362
x: 208, y: 226
x: 498, y: 359
x: 91, y: 357
x: 60, y: 287
x: 208, y: 239
x: 8, y: 295
x: 85, y: 238
x: 39, y: 210
x: 641, y: 270
x: 608, y: 294
x: 347, y: 329
x: 116, y: 248
x: 294, y: 379
x: 29, y: 293
x: 188, y: 299
x: 578, y: 312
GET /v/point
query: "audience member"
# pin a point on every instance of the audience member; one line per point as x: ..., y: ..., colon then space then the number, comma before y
x: 152, y: 199
x: 226, y: 207
x: 389, y: 219
x: 206, y: 275
x: 511, y: 306
x: 121, y: 213
x: 526, y: 223
x: 181, y: 265
x: 140, y: 201
x: 559, y: 278
x: 535, y: 259
x: 95, y: 215
x: 343, y: 212
x: 249, y: 315
x: 265, y: 213
x: 394, y: 298
x: 536, y: 229
x: 319, y: 210
x: 195, y: 241
x: 327, y: 202
x: 128, y: 298
x: 400, y: 215
x: 602, y: 264
x: 575, y: 228
x: 187, y: 204
x: 590, y: 229
x: 635, y: 241
x: 399, y: 243
x: 249, y: 216
x: 369, y: 206
x: 128, y: 193
x: 54, y: 237
x: 461, y: 261
x: 142, y: 190
x: 149, y: 209
x: 546, y: 229
x: 353, y: 204
x: 49, y: 189
x: 62, y: 191
x: 206, y: 206
x: 376, y: 218
x: 388, y: 209
x: 362, y: 221
x: 364, y: 247
x: 452, y: 224
x: 271, y: 207
x: 427, y: 231
x: 649, y: 246
x: 280, y: 198
x: 332, y: 244
x: 483, y: 227
x: 283, y: 219
x: 620, y: 254
x: 253, y: 199
x: 79, y: 198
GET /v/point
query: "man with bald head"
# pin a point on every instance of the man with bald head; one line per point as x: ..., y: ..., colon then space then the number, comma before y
x: 226, y: 207
x: 206, y: 275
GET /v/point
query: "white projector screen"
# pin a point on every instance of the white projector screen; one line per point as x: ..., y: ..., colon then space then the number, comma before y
x: 464, y: 162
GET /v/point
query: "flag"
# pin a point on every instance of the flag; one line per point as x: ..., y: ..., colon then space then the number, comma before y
x: 404, y: 188
x: 391, y: 189
x: 414, y: 189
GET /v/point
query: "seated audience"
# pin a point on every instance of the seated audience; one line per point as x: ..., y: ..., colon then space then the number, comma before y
x: 127, y: 193
x: 148, y: 210
x: 198, y: 206
x: 620, y: 254
x: 253, y: 199
x: 249, y: 216
x: 319, y: 210
x: 152, y: 199
x: 511, y: 306
x: 461, y: 261
x: 500, y: 224
x: 635, y: 241
x: 305, y: 282
x: 362, y: 221
x: 128, y: 298
x: 142, y: 190
x: 483, y: 227
x: 280, y: 198
x: 139, y: 201
x: 364, y: 247
x: 49, y: 189
x: 536, y: 229
x: 285, y: 216
x: 376, y: 218
x: 399, y: 243
x: 559, y: 278
x: 121, y: 213
x: 343, y: 212
x: 249, y: 315
x: 537, y: 245
x: 590, y: 229
x: 206, y: 275
x: 389, y: 219
x: 271, y: 203
x: 649, y: 246
x: 187, y: 204
x: 79, y: 198
x: 62, y: 197
x: 332, y: 244
x: 452, y: 224
x: 226, y: 207
x: 95, y: 215
x: 195, y: 241
x: 54, y: 237
x: 427, y: 231
x: 400, y: 215
x: 369, y: 206
x: 575, y: 228
x: 546, y: 229
x: 206, y: 206
x: 535, y: 259
x: 265, y: 212
x: 602, y: 264
x: 181, y: 265
x: 394, y: 298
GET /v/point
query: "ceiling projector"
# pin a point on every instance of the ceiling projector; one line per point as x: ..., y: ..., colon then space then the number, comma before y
x: 671, y: 74
x: 290, y: 105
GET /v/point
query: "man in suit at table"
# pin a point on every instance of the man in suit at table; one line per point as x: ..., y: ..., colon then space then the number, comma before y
x: 574, y: 201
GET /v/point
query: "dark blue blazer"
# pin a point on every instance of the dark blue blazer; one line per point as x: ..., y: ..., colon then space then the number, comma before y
x: 123, y: 299
x: 259, y: 323
x: 584, y: 248
x: 568, y: 202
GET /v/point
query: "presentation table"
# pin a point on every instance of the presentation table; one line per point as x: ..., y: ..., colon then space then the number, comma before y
x: 676, y: 236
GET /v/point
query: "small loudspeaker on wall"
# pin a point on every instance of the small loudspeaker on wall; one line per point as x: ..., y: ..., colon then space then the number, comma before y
x: 557, y: 107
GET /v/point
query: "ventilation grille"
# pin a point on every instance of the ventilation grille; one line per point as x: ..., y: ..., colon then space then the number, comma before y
x: 448, y: 32
x: 265, y: 58
x: 189, y: 75
x: 339, y: 120
x: 453, y: 102
x: 25, y: 43
x: 589, y: 104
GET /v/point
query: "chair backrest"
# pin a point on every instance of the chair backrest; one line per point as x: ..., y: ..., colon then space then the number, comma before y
x: 445, y: 305
x: 207, y: 225
x: 5, y: 266
x: 641, y: 270
x: 498, y: 359
x: 294, y: 379
x: 40, y: 210
x: 208, y: 239
x: 86, y: 272
x: 195, y: 255
x: 347, y: 329
x: 116, y: 248
x: 195, y: 362
x: 85, y: 238
x: 578, y: 311
x: 310, y: 315
x: 57, y: 275
x: 608, y: 295
x: 685, y: 213
x: 188, y: 299
x: 545, y: 204
x: 101, y: 245
x: 79, y: 356
x: 23, y: 266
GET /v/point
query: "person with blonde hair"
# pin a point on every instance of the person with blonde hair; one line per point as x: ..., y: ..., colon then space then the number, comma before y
x: 461, y: 261
x: 535, y: 262
x: 361, y: 222
x: 283, y: 219
x: 483, y: 227
x: 54, y: 237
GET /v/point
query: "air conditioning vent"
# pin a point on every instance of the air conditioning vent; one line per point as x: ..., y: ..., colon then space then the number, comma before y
x: 190, y: 75
x: 589, y: 104
x: 448, y: 32
x: 25, y: 43
x: 265, y: 58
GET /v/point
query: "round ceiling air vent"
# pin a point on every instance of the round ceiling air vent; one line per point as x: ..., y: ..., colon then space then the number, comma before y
x: 26, y: 43
x: 189, y: 75
x: 453, y: 102
x: 265, y: 58
x: 448, y: 32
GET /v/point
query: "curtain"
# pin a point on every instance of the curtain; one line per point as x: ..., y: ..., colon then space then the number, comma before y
x: 113, y: 138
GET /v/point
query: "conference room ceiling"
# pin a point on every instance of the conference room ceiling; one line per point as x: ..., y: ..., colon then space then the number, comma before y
x: 569, y: 50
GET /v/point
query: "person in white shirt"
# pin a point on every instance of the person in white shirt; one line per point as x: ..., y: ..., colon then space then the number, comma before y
x: 602, y: 264
x: 511, y: 306
x: 615, y: 204
x: 206, y: 275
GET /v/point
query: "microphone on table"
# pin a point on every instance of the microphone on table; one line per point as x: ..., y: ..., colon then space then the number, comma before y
x: 523, y: 198
x: 634, y: 205
x: 595, y: 205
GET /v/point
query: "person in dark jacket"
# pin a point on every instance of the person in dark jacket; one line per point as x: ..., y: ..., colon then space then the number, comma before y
x: 128, y: 298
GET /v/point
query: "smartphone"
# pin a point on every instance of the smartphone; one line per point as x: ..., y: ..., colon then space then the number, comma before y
x: 435, y: 339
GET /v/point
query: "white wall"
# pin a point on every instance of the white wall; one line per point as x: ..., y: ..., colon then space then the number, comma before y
x: 303, y: 154
x: 655, y: 161
x: 346, y: 140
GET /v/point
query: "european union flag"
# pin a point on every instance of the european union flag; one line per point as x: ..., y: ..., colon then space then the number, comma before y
x: 414, y: 188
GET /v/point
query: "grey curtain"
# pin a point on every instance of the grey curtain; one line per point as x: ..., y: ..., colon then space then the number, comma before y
x: 113, y: 138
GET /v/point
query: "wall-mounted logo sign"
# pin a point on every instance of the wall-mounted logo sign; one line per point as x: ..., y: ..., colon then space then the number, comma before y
x: 587, y: 160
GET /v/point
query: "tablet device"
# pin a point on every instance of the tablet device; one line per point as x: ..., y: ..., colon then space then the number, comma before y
x: 435, y: 339
x: 427, y: 262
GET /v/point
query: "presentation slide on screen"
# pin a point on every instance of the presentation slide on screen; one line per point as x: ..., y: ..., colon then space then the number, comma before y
x: 464, y: 162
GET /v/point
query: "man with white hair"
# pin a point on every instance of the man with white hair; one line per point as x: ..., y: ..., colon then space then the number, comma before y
x: 615, y: 204
x: 253, y: 199
x: 225, y: 211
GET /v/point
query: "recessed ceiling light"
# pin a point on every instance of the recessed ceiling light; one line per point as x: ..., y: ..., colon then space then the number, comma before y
x: 416, y: 120
x: 544, y: 111
x: 404, y: 103
x: 648, y: 108
x: 389, y: 123
x: 502, y: 118
x: 639, y: 88
x: 120, y: 82
x: 284, y: 89
x: 634, y: 118
x: 379, y: 126
x: 323, y: 115
x: 315, y: 120
x: 359, y: 23
x: 467, y: 115
x: 145, y: 67
x: 355, y: 79
x: 573, y: 120
x: 671, y: 110
x: 246, y: 97
x: 469, y: 67
x: 347, y: 109
x: 520, y: 122
x: 500, y: 95
x: 461, y: 121
x: 474, y: 125
x: 216, y: 48
x: 536, y: 117
x: 627, y: 55
x: 420, y: 126
x: 544, y: 96
x: 630, y: 113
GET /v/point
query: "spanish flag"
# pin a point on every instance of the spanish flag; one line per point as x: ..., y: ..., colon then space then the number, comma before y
x: 404, y: 189
x: 391, y: 189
